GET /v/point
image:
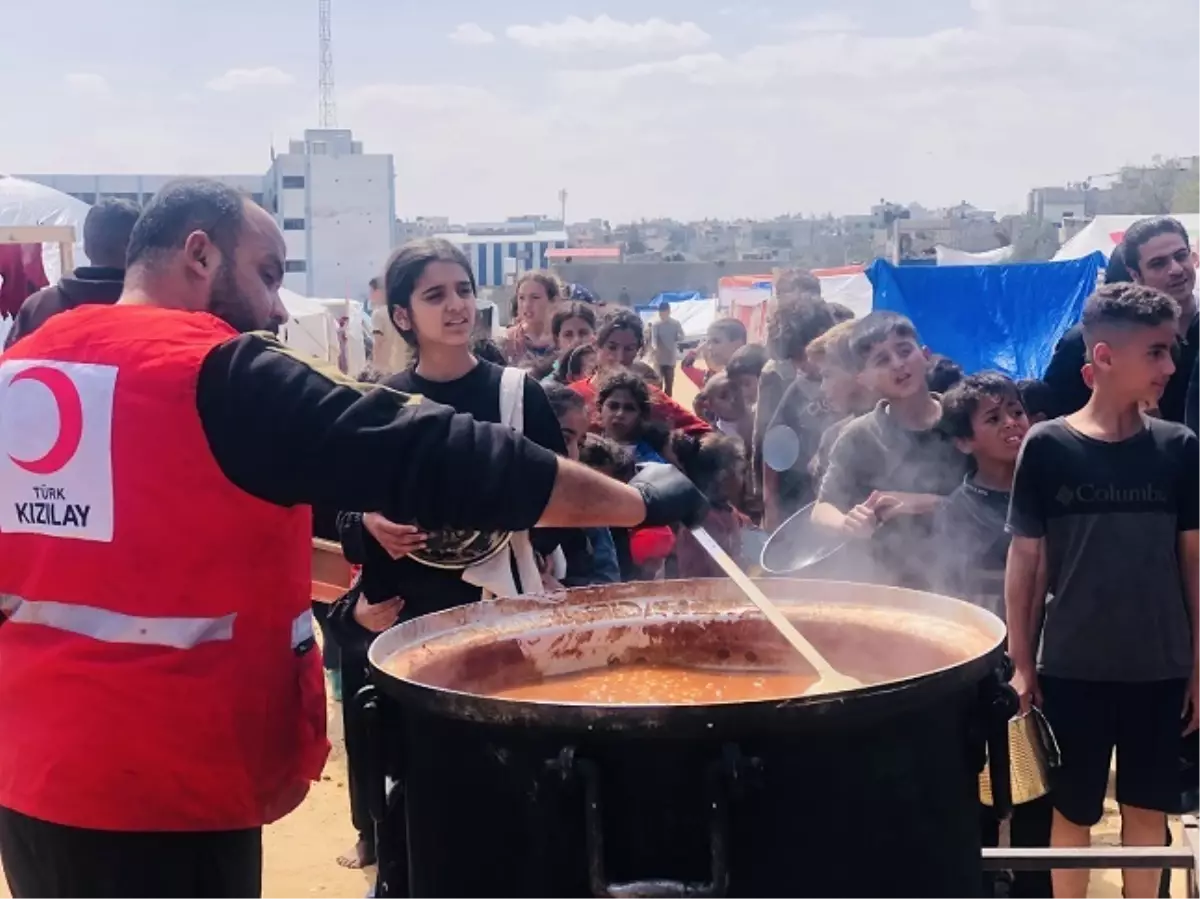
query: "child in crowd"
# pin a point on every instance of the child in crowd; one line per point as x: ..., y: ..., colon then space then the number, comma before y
x: 721, y: 402
x: 618, y: 342
x: 624, y: 403
x: 840, y: 312
x: 648, y: 373
x: 573, y: 325
x: 590, y: 553
x: 944, y: 373
x: 641, y: 552
x: 528, y: 342
x: 576, y: 364
x: 1104, y: 556
x: 1037, y: 398
x: 485, y: 349
x: 725, y: 337
x: 606, y: 456
x: 985, y: 416
x: 716, y: 464
x: 792, y: 327
x: 745, y: 368
x: 891, y: 468
x: 841, y: 392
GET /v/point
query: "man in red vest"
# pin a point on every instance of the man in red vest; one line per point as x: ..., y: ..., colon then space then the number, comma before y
x: 160, y: 699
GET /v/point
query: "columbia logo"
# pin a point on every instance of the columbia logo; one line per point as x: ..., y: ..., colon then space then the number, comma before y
x: 1065, y: 496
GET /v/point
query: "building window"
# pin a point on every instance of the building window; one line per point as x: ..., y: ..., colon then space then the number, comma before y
x: 131, y: 197
x: 294, y: 266
x: 257, y: 198
x: 293, y: 181
x: 293, y: 224
x: 88, y: 198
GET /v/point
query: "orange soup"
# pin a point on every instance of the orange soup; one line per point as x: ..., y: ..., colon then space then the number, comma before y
x: 638, y: 684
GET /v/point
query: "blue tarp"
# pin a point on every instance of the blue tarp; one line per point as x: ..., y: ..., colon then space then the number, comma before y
x: 671, y: 297
x: 1004, y: 317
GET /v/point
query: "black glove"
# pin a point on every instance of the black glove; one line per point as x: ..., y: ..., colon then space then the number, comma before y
x: 669, y: 496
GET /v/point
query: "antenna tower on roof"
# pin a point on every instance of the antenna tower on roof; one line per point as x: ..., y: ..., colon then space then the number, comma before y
x: 328, y: 106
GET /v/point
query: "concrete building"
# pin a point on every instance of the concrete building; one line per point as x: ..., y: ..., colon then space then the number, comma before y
x: 337, y: 208
x: 334, y: 203
x: 1054, y: 204
x: 422, y: 226
x: 500, y: 251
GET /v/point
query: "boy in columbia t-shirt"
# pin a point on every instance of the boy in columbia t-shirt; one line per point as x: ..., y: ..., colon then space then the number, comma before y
x: 1104, y: 517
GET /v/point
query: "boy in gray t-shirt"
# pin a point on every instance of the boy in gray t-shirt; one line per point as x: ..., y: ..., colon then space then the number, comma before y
x: 1104, y: 516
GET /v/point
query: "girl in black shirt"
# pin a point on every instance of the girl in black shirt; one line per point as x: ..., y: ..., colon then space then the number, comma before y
x: 431, y: 298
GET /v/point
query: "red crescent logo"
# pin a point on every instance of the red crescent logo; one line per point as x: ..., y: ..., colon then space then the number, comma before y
x: 70, y: 419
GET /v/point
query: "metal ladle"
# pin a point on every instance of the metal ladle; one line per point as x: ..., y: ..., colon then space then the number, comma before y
x: 829, y: 679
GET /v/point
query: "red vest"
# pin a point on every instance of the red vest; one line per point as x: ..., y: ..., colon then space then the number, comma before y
x: 157, y: 671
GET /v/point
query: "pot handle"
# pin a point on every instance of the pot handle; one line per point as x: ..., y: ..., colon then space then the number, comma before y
x: 1004, y: 704
x: 370, y: 720
x: 569, y: 765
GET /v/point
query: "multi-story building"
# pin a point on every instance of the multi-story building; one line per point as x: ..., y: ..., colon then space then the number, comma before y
x: 500, y: 251
x: 1053, y: 204
x: 337, y: 208
x: 334, y: 203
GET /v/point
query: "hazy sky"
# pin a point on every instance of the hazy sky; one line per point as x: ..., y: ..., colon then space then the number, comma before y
x: 689, y: 108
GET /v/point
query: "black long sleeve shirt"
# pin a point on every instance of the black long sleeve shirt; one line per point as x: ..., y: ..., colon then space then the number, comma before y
x: 293, y: 433
x: 1070, y: 393
x: 426, y: 589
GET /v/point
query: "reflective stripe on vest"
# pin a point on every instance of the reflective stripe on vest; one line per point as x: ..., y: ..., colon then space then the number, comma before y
x: 302, y: 628
x: 117, y: 627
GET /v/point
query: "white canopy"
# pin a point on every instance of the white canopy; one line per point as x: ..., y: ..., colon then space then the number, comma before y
x: 694, y: 315
x: 26, y: 203
x: 312, y: 329
x: 1104, y: 232
x: 951, y: 256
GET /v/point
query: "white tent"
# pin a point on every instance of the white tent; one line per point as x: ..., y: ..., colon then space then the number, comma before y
x: 1104, y: 232
x: 311, y: 329
x: 694, y: 315
x: 853, y: 291
x: 951, y: 256
x: 26, y: 203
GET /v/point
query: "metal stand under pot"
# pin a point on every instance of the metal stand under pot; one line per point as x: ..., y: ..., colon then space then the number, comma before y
x: 870, y: 792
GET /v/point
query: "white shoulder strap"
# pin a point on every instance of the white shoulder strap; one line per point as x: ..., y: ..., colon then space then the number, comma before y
x: 512, y: 399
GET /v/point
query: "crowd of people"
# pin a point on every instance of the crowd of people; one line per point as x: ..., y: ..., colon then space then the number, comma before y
x: 161, y: 695
x: 1069, y: 506
x: 1081, y: 532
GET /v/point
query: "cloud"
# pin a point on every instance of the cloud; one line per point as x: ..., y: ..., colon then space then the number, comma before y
x: 472, y: 34
x: 823, y: 22
x: 88, y: 84
x: 574, y: 34
x: 236, y: 79
x: 420, y: 97
x: 1013, y: 94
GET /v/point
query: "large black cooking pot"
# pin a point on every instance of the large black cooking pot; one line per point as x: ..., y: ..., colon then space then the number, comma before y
x: 873, y: 792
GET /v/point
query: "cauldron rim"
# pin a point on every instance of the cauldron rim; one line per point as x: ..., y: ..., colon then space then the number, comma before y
x: 884, y: 698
